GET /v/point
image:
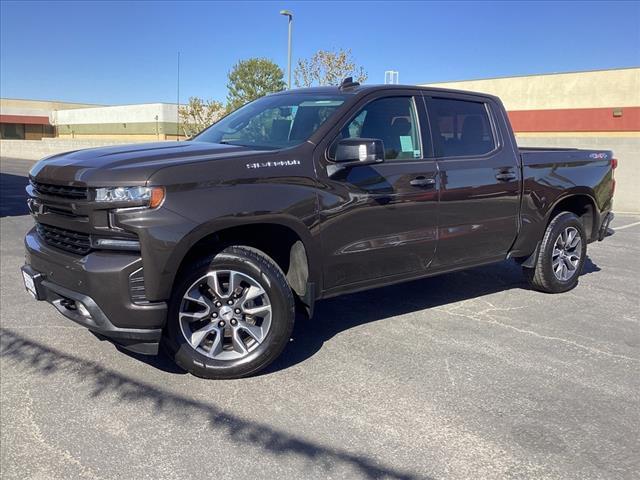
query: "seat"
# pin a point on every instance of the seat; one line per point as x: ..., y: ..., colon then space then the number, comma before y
x: 471, y: 139
x: 280, y: 129
x: 306, y: 121
x: 401, y: 127
x: 379, y: 124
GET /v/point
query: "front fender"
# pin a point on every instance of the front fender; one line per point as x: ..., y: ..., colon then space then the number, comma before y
x: 211, y: 228
x: 189, y: 215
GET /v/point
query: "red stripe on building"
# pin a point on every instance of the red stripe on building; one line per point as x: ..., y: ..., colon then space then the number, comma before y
x: 576, y: 120
x: 26, y: 119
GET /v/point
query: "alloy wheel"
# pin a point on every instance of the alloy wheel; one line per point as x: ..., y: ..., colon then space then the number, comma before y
x: 567, y: 251
x: 225, y: 315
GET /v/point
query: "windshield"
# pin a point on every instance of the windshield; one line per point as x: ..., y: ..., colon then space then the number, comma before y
x: 273, y: 122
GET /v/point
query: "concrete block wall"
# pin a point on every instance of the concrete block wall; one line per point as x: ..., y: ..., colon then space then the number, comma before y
x: 627, y: 150
x: 37, y: 149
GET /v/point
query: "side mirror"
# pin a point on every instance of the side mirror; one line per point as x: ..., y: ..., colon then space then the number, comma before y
x: 359, y: 151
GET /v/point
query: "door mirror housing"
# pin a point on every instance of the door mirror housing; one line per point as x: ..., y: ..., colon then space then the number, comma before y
x: 359, y: 151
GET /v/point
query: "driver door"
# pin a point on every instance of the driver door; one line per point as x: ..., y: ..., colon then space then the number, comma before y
x: 379, y: 221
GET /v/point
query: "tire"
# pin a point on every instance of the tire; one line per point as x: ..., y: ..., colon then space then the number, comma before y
x: 257, y: 326
x: 552, y: 272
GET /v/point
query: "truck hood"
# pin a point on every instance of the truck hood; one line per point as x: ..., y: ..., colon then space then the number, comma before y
x: 127, y: 164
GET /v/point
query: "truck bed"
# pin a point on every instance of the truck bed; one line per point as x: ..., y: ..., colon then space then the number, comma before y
x: 544, y: 149
x: 548, y: 156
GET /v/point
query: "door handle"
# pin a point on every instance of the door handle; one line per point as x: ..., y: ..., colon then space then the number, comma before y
x: 505, y: 176
x: 422, y: 181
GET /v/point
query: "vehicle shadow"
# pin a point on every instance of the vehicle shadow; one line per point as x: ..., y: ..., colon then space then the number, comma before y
x: 13, y: 197
x: 95, y: 382
x: 160, y: 362
x: 338, y: 314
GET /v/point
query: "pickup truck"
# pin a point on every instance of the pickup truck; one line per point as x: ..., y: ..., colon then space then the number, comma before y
x: 211, y: 247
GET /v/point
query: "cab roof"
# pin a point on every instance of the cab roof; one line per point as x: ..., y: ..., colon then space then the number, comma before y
x: 368, y: 88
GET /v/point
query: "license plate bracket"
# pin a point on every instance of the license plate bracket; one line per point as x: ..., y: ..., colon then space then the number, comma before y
x: 32, y: 282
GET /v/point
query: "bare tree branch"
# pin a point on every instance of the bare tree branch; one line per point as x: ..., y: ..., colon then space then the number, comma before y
x: 328, y: 68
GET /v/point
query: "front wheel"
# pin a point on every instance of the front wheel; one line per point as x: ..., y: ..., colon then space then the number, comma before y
x: 561, y: 256
x: 231, y: 315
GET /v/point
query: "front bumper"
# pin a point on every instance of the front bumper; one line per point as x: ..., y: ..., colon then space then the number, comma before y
x: 93, y: 290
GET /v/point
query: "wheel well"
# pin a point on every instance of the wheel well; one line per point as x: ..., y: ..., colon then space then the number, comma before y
x: 281, y: 243
x: 583, y: 207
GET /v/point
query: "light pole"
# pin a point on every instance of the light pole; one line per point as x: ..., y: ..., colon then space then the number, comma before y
x: 178, y: 102
x: 289, y: 14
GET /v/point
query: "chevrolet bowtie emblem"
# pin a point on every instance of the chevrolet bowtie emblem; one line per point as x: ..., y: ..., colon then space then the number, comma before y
x: 35, y: 207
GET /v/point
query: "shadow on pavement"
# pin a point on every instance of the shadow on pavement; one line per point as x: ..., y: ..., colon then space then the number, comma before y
x: 342, y: 313
x: 382, y: 304
x: 13, y: 198
x: 160, y: 362
x: 40, y: 359
x: 589, y: 267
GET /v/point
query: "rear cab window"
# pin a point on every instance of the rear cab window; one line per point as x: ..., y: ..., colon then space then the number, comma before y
x: 460, y: 128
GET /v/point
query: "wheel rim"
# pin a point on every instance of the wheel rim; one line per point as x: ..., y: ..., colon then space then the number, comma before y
x: 567, y: 251
x: 225, y: 315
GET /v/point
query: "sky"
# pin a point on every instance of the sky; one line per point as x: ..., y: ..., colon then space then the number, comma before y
x: 126, y: 52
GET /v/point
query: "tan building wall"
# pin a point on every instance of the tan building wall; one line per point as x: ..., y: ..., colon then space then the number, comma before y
x: 17, y: 106
x: 577, y: 110
x: 30, y: 119
x: 596, y: 89
x: 45, y: 105
x: 143, y: 122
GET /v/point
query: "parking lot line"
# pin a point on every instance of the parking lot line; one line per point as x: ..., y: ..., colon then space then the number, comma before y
x: 627, y: 226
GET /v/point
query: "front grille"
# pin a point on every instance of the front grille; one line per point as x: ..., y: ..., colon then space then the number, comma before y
x: 136, y: 287
x: 80, y: 193
x: 73, y: 242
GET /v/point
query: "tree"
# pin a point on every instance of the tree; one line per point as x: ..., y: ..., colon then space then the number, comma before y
x: 251, y: 79
x: 328, y: 68
x: 198, y: 114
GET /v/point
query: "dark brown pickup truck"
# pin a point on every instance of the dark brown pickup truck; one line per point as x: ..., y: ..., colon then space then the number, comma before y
x: 210, y: 246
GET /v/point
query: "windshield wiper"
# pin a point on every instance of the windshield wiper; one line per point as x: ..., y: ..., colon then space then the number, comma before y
x: 255, y: 147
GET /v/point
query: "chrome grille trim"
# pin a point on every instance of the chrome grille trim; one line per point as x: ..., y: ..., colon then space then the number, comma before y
x: 137, y: 288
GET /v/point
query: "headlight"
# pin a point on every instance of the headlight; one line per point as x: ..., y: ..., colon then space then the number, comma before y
x: 152, y: 196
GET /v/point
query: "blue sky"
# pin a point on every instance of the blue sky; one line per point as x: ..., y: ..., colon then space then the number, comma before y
x: 125, y: 52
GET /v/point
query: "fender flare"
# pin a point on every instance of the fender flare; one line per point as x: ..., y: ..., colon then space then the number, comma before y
x: 573, y: 192
x: 208, y: 229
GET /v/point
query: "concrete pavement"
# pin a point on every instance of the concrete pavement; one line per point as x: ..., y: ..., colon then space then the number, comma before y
x: 466, y: 375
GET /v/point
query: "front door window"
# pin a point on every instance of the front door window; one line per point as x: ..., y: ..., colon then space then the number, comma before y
x: 392, y: 120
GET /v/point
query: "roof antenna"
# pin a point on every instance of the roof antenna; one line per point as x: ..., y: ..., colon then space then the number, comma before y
x: 348, y: 83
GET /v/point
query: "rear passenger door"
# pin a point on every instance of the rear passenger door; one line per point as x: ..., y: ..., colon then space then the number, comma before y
x: 479, y: 179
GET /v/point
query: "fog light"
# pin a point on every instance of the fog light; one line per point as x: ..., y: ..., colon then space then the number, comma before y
x: 116, y: 244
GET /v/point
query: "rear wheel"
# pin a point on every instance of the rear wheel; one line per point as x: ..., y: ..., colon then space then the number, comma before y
x: 231, y: 315
x: 561, y: 256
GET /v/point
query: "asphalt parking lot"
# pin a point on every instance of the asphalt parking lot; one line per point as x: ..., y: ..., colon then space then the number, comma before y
x: 467, y: 375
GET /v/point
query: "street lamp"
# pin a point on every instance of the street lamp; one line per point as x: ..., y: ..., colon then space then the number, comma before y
x: 288, y: 14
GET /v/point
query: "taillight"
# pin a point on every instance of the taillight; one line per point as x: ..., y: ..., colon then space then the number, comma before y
x: 614, y: 165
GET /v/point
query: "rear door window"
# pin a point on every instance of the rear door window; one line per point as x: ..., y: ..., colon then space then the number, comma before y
x: 460, y: 128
